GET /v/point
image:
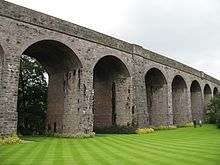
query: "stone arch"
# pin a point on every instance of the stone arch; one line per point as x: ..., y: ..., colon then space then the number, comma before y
x: 196, y: 101
x: 64, y: 70
x: 207, y: 95
x: 111, y: 82
x: 157, y: 97
x: 215, y: 91
x: 179, y: 100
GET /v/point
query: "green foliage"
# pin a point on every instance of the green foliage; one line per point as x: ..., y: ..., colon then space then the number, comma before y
x: 75, y: 136
x: 144, y: 130
x: 190, y: 124
x: 213, y: 111
x: 49, y: 133
x: 165, y: 127
x: 218, y: 119
x: 13, y: 139
x: 116, y: 130
x: 71, y: 135
x: 32, y: 97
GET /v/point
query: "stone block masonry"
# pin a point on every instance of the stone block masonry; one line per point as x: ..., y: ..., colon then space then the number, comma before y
x: 95, y: 80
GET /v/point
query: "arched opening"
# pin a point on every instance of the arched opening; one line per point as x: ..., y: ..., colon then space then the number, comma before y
x: 215, y: 91
x: 196, y: 101
x: 207, y: 95
x: 157, y: 102
x: 111, y: 93
x: 179, y: 100
x: 63, y: 68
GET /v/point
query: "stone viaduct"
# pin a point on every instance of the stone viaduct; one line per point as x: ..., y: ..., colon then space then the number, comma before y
x: 95, y: 80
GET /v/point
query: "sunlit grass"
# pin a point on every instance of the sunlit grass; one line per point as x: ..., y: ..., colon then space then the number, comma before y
x: 175, y: 147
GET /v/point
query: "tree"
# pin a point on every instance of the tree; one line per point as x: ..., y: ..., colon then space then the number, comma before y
x: 32, y: 97
x: 213, y: 111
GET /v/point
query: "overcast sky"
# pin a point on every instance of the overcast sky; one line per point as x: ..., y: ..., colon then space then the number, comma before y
x: 185, y: 30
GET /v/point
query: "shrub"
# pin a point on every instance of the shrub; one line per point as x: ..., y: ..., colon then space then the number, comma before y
x: 213, y: 110
x: 210, y: 116
x: 50, y: 133
x: 165, y: 127
x: 144, y: 130
x: 189, y: 124
x: 71, y: 135
x: 75, y: 136
x: 13, y: 139
x: 218, y: 119
x: 116, y: 130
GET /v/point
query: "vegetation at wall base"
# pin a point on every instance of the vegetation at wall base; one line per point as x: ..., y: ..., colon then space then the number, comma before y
x: 115, y: 130
x: 164, y: 127
x: 13, y: 139
x: 144, y: 130
x: 190, y: 124
x: 71, y: 135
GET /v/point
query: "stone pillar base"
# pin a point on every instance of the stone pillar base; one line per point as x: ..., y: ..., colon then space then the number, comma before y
x: 8, y: 123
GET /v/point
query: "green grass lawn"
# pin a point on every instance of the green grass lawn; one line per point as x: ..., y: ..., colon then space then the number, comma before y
x: 189, y: 146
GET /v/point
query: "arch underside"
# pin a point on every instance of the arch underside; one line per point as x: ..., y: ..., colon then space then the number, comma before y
x: 179, y: 101
x: 111, y: 93
x: 63, y: 68
x: 207, y: 95
x: 196, y: 101
x: 157, y: 97
x: 215, y: 91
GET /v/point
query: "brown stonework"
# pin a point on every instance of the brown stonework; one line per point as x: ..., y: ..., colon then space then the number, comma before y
x: 95, y: 80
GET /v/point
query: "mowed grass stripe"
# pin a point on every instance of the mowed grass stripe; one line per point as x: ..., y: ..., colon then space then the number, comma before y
x: 85, y: 154
x: 17, y: 157
x: 172, y: 149
x: 57, y: 155
x: 7, y: 152
x: 67, y: 155
x: 75, y: 151
x: 109, y: 153
x: 129, y: 153
x: 200, y: 146
x: 95, y: 152
x: 156, y: 152
x: 111, y: 148
x: 43, y: 153
x: 173, y: 145
x: 192, y: 146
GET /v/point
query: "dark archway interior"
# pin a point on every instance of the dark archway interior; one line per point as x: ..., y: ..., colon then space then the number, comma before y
x: 110, y: 77
x: 156, y: 91
x: 215, y: 91
x: 207, y: 95
x: 179, y: 101
x: 54, y: 56
x: 196, y: 101
x: 61, y: 64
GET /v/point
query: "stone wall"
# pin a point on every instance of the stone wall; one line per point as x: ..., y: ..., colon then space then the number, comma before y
x: 95, y: 80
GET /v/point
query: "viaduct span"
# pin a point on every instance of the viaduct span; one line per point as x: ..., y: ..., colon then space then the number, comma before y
x: 95, y: 80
